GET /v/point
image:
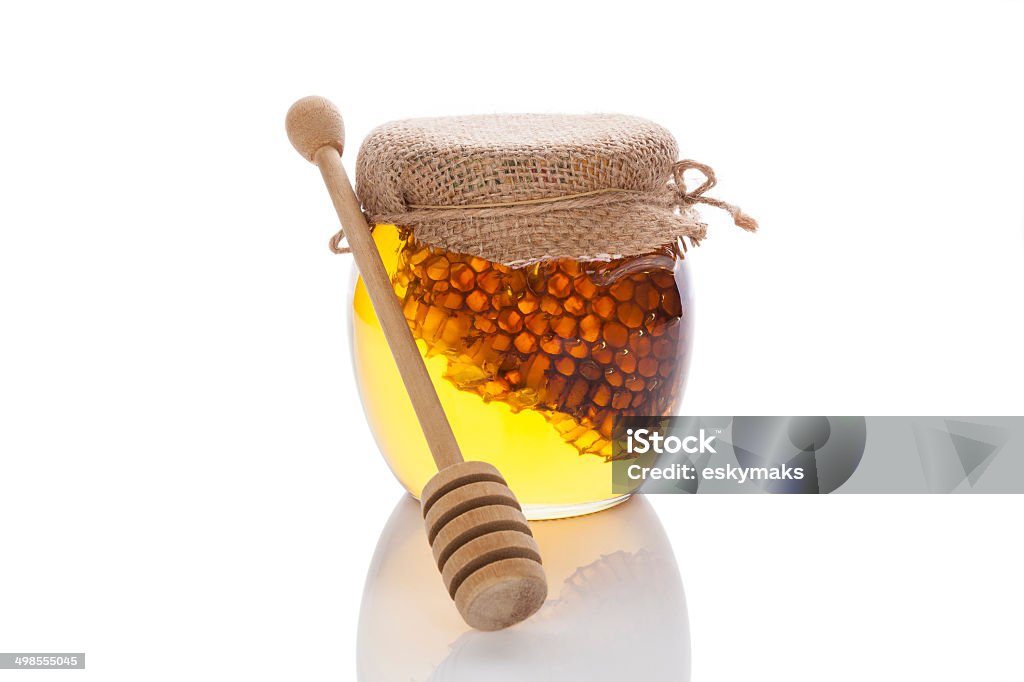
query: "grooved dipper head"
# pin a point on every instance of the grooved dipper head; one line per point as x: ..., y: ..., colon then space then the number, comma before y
x: 483, y: 546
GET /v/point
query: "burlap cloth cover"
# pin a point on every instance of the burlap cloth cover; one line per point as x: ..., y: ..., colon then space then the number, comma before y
x: 518, y: 189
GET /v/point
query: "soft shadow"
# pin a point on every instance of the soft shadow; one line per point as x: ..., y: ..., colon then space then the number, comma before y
x: 615, y: 609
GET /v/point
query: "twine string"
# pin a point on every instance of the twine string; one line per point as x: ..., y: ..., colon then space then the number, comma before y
x: 740, y: 218
x: 335, y: 244
x: 673, y: 195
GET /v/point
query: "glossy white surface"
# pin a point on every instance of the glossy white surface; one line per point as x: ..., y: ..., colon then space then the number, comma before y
x: 181, y: 496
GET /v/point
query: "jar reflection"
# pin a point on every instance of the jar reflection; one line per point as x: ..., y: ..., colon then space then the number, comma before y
x: 616, y: 608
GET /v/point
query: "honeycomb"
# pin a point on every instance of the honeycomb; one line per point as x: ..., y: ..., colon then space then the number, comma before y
x: 580, y: 342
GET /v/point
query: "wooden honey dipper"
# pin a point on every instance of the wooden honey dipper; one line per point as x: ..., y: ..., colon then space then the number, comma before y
x: 482, y: 544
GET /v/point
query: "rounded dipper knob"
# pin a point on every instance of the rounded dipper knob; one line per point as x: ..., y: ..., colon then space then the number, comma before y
x: 313, y: 122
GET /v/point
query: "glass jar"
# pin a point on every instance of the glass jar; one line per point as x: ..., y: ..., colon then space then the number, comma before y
x: 531, y: 364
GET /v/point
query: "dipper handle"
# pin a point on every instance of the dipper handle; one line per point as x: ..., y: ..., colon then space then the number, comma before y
x: 316, y: 130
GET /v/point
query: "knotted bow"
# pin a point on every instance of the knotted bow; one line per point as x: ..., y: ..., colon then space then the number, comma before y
x: 689, y: 198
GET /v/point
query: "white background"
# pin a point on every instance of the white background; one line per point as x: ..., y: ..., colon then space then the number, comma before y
x: 187, y: 484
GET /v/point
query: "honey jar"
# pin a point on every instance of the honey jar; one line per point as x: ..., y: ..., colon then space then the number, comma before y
x: 539, y: 261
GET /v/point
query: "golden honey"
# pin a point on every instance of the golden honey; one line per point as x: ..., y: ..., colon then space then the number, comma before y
x: 531, y: 364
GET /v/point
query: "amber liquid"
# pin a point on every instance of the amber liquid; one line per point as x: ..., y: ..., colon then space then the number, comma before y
x: 531, y: 364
